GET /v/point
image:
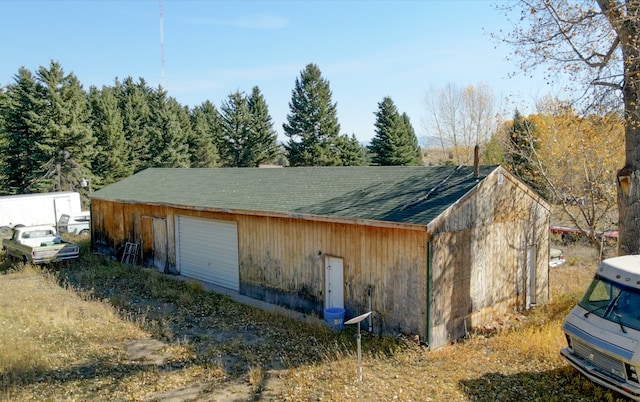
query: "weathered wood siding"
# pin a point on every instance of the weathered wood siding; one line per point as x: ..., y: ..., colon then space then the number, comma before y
x: 281, y: 260
x: 114, y: 224
x: 480, y: 250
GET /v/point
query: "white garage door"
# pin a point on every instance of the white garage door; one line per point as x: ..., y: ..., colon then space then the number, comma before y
x: 207, y: 250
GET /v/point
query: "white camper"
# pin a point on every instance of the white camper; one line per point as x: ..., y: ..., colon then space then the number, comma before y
x: 36, y: 209
x: 603, y: 330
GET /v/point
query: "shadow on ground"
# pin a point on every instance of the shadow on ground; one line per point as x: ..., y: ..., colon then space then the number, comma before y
x: 559, y: 385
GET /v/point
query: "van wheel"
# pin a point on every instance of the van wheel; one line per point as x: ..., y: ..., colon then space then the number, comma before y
x: 84, y: 233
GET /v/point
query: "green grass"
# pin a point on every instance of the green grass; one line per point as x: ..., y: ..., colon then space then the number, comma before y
x: 67, y: 333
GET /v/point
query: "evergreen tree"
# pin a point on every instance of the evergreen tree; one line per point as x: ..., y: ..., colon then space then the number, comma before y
x: 111, y: 162
x: 522, y: 141
x: 248, y: 137
x: 168, y: 132
x: 205, y: 128
x: 412, y: 147
x: 494, y: 153
x: 4, y: 103
x: 235, y: 120
x: 312, y: 124
x: 264, y: 146
x: 134, y: 100
x: 22, y: 113
x: 184, y: 121
x: 350, y: 151
x: 67, y: 144
x: 395, y: 141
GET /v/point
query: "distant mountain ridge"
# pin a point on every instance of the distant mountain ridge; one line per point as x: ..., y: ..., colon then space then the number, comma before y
x: 432, y: 141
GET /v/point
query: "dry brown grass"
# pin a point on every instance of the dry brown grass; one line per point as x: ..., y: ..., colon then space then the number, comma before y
x: 67, y: 334
x: 519, y: 363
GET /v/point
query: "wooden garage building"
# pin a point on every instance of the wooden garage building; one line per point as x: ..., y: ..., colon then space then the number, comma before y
x: 432, y: 251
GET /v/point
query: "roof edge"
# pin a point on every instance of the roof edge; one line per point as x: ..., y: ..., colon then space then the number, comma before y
x: 499, y: 169
x: 307, y: 217
x: 524, y: 187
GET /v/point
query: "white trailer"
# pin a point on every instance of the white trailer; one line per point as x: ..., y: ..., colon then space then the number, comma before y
x: 36, y: 209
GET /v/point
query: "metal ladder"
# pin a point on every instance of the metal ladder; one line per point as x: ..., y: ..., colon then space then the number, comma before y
x: 130, y: 255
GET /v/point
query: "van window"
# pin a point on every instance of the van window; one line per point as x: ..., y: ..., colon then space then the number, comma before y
x: 599, y: 296
x: 625, y: 310
x: 613, y: 302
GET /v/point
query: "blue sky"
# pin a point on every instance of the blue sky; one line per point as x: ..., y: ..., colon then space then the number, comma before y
x: 365, y: 49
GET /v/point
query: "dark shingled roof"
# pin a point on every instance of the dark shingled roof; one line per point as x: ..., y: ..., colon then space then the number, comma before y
x: 402, y: 194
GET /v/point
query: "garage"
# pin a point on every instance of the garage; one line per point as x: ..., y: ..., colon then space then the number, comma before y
x: 422, y: 247
x: 207, y: 250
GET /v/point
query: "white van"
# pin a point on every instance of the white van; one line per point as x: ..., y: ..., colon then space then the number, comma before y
x: 77, y: 224
x: 603, y: 330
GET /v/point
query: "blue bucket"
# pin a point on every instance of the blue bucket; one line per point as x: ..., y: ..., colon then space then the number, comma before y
x: 335, y: 317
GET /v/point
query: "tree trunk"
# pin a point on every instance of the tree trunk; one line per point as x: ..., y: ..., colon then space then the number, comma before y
x: 628, y: 178
x: 628, y: 210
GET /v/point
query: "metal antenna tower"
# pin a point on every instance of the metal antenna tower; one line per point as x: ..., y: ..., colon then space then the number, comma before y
x: 162, y: 45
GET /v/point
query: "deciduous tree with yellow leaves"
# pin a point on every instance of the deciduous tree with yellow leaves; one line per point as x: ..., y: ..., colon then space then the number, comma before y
x: 575, y: 161
x: 595, y: 44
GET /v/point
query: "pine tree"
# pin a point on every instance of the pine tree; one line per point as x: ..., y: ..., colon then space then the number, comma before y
x: 312, y: 124
x: 111, y: 162
x: 168, y: 131
x: 235, y: 123
x: 205, y: 128
x: 522, y: 141
x: 350, y: 151
x: 413, y: 152
x: 67, y: 144
x: 494, y: 151
x: 264, y: 136
x: 395, y: 141
x: 248, y: 137
x: 22, y: 113
x: 134, y: 100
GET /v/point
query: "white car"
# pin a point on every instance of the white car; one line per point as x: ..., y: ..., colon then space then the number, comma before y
x: 78, y: 224
x: 556, y: 257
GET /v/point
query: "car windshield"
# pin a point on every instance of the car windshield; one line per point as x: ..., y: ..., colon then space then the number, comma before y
x: 613, y: 302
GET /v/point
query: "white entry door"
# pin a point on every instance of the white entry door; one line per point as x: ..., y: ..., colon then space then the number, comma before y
x: 333, y: 282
